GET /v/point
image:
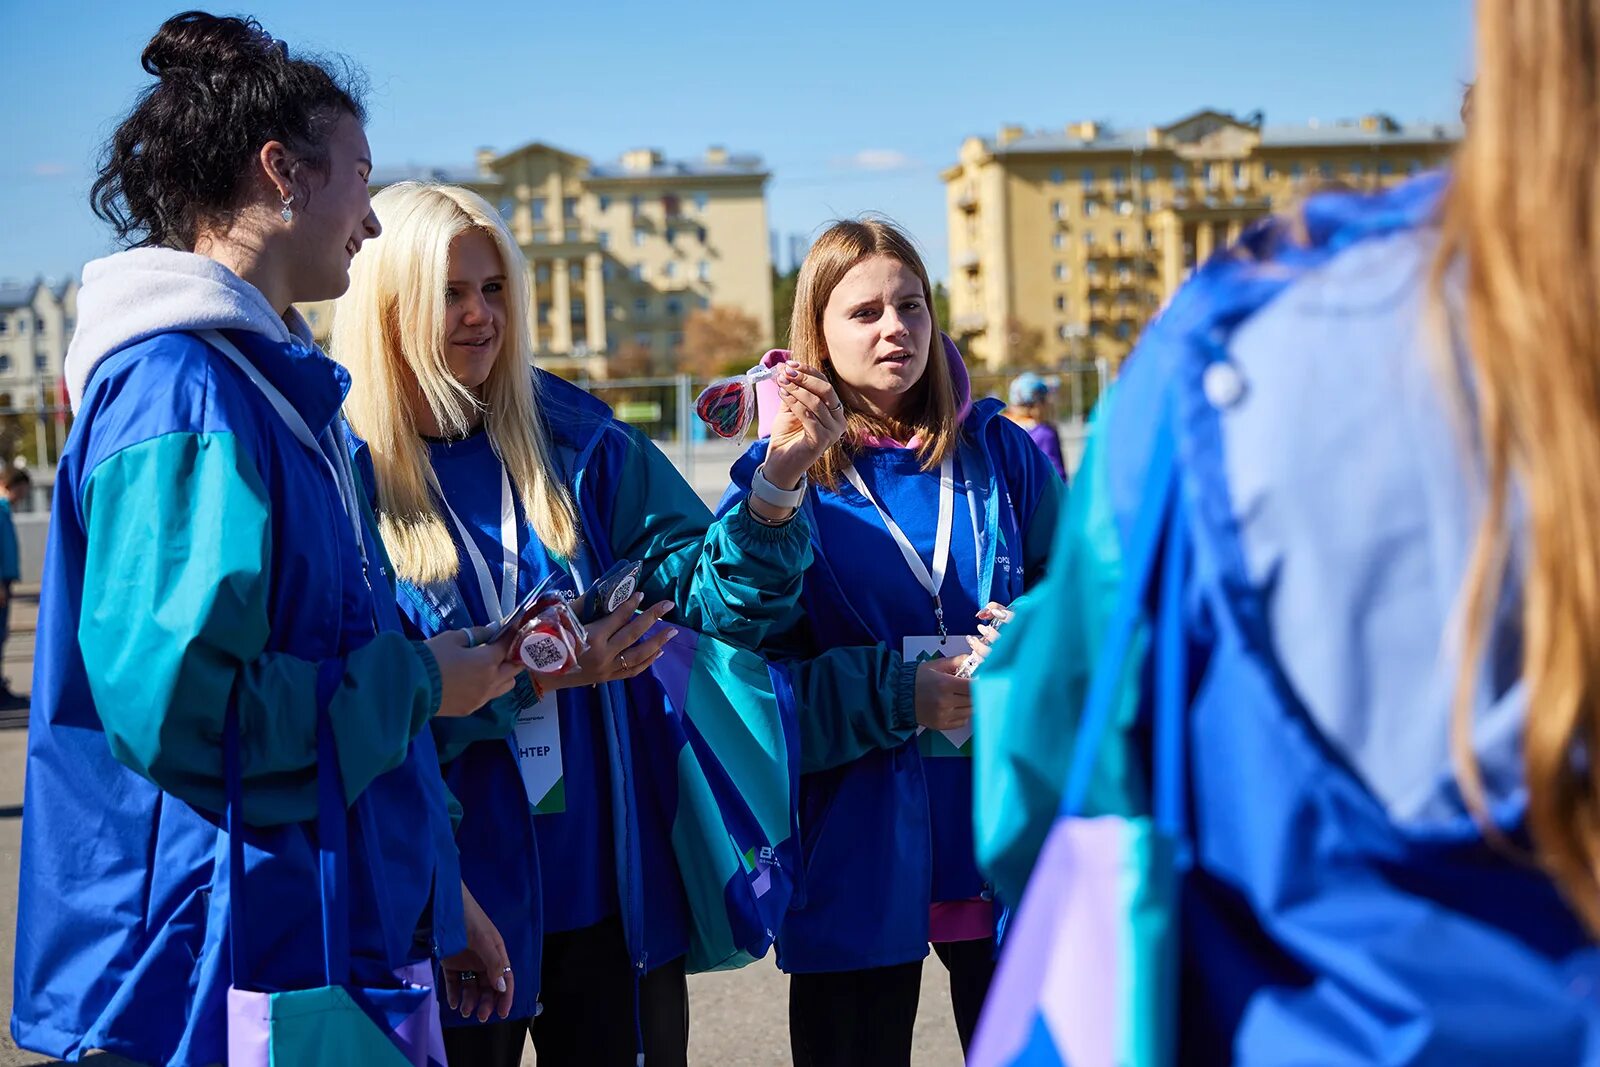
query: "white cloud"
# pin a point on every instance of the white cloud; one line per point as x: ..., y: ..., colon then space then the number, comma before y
x: 876, y: 159
x: 48, y: 170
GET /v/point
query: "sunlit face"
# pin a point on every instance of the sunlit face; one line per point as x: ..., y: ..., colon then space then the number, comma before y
x: 474, y: 308
x: 332, y: 218
x: 877, y: 326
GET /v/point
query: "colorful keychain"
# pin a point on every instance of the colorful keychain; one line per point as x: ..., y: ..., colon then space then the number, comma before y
x: 728, y: 405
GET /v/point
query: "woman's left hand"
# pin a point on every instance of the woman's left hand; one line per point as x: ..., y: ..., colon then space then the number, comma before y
x: 478, y: 981
x: 995, y: 616
x: 810, y: 421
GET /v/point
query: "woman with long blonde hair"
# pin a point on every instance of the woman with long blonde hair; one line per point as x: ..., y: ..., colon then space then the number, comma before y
x: 1353, y: 467
x: 927, y: 510
x: 491, y: 479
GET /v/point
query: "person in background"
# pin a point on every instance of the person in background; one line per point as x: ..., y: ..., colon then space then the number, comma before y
x: 1030, y: 408
x: 928, y: 510
x: 1350, y: 479
x: 14, y: 485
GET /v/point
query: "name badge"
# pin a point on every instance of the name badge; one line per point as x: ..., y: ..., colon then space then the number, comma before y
x: 536, y: 740
x: 957, y: 742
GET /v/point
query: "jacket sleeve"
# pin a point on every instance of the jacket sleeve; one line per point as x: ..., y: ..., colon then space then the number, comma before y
x: 175, y: 627
x: 1030, y: 692
x: 730, y: 577
x: 10, y: 565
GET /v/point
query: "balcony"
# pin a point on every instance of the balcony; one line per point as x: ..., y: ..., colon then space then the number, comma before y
x: 967, y: 200
x: 968, y: 261
x: 970, y: 322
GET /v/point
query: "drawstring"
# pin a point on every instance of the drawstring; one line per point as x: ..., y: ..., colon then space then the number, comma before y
x: 638, y: 1024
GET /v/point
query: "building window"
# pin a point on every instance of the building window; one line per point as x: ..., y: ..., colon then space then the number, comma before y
x: 675, y: 341
x: 674, y: 307
x: 1296, y: 171
x: 1088, y: 240
x: 1147, y: 173
x: 671, y: 207
x: 1238, y: 173
x: 605, y: 202
x: 22, y: 325
x: 538, y: 210
x: 1056, y: 177
x: 1120, y: 238
x: 1213, y: 175
x: 642, y: 339
x: 544, y: 313
x: 578, y: 312
x: 1386, y: 169
x: 575, y: 271
x: 1058, y: 240
x: 611, y: 309
x: 1326, y: 170
x: 704, y: 271
x: 1061, y: 301
x: 1122, y: 331
x: 1125, y: 207
x: 1358, y: 170
x: 1063, y: 332
x: 701, y: 233
x: 608, y: 271
x: 1149, y: 238
x: 1089, y: 208
x: 635, y: 202
x: 1061, y: 272
x: 641, y: 306
x: 541, y: 273
x: 637, y: 272
x: 507, y: 207
x: 638, y: 238
x: 604, y: 239
x: 1147, y: 206
x: 672, y: 234
x: 670, y: 270
x: 1413, y: 167
x: 1269, y: 171
x: 1119, y: 177
x: 1093, y: 270
x: 1095, y: 329
x: 1057, y: 210
x: 569, y: 208
x: 701, y: 202
x: 1087, y: 177
x: 5, y: 324
x: 1180, y: 174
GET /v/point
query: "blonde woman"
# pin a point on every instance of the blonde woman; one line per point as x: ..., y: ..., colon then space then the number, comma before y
x: 926, y: 510
x: 490, y: 479
x: 1382, y: 431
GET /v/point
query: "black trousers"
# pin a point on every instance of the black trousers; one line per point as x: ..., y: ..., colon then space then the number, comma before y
x: 866, y: 1018
x: 586, y: 992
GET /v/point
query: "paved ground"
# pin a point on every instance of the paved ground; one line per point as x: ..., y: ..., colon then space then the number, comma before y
x: 738, y: 1019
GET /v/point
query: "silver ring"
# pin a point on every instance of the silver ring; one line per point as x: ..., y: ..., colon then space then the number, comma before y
x: 469, y: 976
x: 836, y: 408
x: 506, y: 971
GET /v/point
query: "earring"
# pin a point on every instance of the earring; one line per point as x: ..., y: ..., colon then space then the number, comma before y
x: 287, y: 212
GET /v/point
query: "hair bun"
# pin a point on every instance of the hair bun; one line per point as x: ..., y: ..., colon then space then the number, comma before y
x: 201, y: 42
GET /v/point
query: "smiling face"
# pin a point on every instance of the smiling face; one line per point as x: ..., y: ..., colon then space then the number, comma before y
x: 878, y: 330
x: 333, y: 217
x: 474, y: 308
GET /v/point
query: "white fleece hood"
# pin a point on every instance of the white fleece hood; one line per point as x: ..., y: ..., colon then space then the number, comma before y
x: 135, y: 295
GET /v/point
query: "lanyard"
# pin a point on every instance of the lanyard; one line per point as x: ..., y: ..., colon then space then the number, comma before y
x: 339, y: 467
x: 933, y: 582
x: 498, y: 605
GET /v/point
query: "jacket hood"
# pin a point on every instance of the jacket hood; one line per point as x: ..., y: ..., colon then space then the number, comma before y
x: 135, y: 295
x: 767, y: 397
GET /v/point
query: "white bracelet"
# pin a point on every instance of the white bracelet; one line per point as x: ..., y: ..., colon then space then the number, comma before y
x: 764, y: 491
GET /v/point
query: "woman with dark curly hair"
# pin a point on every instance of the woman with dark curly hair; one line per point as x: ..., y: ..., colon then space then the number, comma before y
x: 215, y: 591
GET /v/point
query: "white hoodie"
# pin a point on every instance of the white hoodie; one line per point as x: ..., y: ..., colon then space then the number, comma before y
x: 135, y: 295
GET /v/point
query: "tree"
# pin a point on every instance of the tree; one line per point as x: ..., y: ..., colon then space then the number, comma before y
x: 783, y: 290
x: 941, y: 305
x: 1024, y: 343
x: 719, y: 341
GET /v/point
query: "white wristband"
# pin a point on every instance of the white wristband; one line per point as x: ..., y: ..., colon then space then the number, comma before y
x: 764, y: 491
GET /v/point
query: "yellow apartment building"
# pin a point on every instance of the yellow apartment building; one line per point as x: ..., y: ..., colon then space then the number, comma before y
x: 622, y: 252
x: 1066, y: 242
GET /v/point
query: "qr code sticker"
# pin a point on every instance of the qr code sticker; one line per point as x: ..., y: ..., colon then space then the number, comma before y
x: 544, y: 652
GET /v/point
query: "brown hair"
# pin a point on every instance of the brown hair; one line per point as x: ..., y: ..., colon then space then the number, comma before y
x: 1522, y: 224
x: 933, y: 406
x: 13, y: 476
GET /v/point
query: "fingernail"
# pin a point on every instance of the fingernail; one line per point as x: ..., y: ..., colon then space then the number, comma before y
x: 791, y: 371
x: 500, y: 984
x: 670, y: 635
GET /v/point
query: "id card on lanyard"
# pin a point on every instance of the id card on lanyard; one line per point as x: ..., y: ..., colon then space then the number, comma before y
x: 956, y: 742
x: 536, y: 736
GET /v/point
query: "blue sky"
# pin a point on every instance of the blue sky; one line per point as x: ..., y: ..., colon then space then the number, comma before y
x: 854, y: 106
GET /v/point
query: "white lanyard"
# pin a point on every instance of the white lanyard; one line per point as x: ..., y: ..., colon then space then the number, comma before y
x: 499, y: 604
x: 342, y: 478
x: 933, y: 582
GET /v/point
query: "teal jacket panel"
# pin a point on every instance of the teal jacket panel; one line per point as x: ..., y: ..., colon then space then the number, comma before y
x: 178, y: 552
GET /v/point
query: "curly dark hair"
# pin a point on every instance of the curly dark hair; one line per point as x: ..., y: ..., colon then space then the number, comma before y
x: 183, y: 155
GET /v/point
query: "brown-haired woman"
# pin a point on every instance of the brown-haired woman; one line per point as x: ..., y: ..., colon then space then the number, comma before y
x: 927, y: 511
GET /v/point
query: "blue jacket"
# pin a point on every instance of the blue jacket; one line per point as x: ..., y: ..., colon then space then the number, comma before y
x: 1343, y: 905
x: 884, y: 830
x: 200, y: 559
x: 610, y: 849
x: 10, y: 565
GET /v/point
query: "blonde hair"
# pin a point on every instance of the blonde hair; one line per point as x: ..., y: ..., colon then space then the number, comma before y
x: 1521, y: 224
x: 932, y: 406
x: 389, y: 329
